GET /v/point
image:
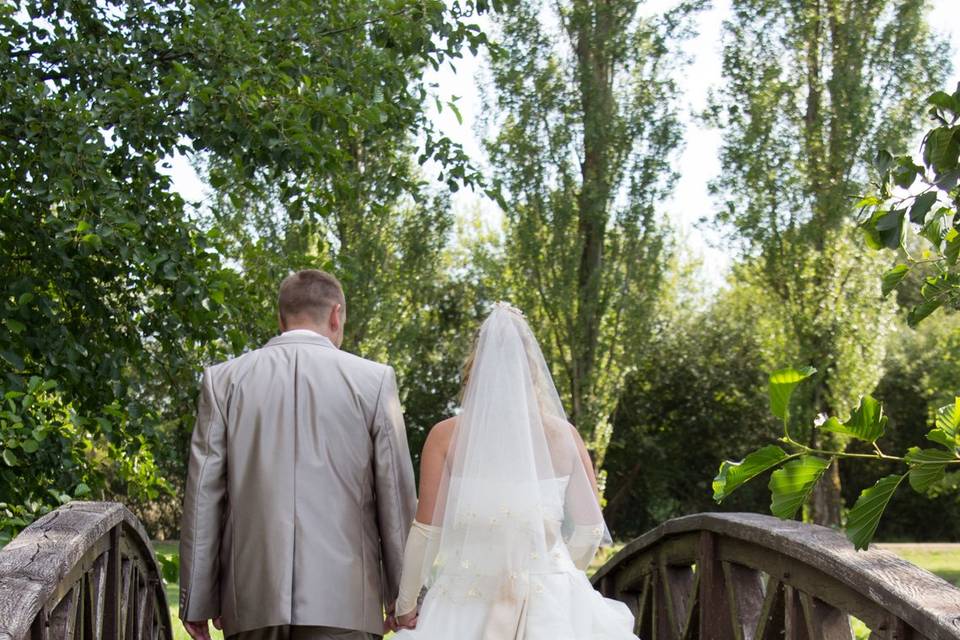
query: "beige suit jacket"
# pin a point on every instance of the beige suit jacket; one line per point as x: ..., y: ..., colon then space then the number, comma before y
x: 300, y: 490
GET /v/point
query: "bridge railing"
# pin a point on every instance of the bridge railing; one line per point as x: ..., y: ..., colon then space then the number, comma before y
x: 743, y: 576
x: 87, y: 572
x: 83, y: 572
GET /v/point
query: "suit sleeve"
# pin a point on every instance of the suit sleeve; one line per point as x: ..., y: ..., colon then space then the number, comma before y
x: 203, y: 511
x: 395, y: 488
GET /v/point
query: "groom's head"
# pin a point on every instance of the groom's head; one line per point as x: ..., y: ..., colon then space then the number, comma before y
x: 313, y: 299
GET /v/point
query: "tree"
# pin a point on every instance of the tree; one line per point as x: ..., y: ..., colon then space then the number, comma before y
x: 697, y: 393
x: 583, y: 104
x: 115, y: 291
x: 811, y: 85
x: 931, y: 207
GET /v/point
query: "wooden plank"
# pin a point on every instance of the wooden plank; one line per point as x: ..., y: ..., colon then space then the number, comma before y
x: 40, y: 568
x: 745, y: 595
x: 661, y: 616
x: 824, y: 621
x: 795, y: 623
x: 770, y: 623
x: 715, y: 622
x: 111, y: 613
x: 63, y: 619
x: 644, y: 621
x: 679, y: 583
x: 795, y: 573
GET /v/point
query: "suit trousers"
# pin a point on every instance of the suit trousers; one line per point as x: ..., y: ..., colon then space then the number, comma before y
x: 300, y: 632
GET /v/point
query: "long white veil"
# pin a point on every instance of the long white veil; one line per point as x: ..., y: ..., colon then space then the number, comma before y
x: 516, y: 498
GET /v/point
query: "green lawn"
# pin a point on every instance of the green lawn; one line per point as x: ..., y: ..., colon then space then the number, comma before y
x: 940, y: 559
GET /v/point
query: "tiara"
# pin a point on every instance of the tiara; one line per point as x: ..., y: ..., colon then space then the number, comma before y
x: 506, y: 306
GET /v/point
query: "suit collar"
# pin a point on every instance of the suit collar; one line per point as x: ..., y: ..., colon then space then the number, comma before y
x: 301, y: 338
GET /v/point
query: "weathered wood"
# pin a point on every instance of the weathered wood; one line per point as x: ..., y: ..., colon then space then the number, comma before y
x: 714, y: 620
x: 59, y: 577
x: 679, y: 584
x: 874, y: 585
x: 825, y: 621
x: 770, y: 623
x: 745, y: 594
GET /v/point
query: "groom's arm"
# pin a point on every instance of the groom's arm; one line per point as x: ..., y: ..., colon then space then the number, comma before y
x: 203, y: 509
x: 395, y: 488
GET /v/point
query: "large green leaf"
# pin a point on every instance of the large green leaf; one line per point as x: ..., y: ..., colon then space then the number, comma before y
x: 893, y: 277
x: 921, y: 206
x: 947, y: 426
x: 792, y: 483
x: 867, y: 422
x: 782, y: 384
x: 734, y: 474
x: 927, y: 466
x: 941, y: 149
x: 863, y: 519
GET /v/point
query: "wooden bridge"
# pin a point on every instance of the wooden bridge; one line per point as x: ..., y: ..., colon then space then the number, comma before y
x: 87, y: 572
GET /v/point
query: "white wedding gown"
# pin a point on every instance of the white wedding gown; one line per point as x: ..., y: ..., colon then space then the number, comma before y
x: 515, y: 506
x: 560, y: 603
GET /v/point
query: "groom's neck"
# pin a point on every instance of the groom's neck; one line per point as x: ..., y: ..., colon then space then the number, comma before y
x: 309, y: 326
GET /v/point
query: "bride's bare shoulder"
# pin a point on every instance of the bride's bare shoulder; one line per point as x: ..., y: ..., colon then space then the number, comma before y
x: 439, y: 437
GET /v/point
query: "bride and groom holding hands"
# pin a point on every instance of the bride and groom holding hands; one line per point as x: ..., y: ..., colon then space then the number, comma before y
x: 302, y: 522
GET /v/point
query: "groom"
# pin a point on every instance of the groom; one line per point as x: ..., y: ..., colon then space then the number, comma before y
x: 300, y: 489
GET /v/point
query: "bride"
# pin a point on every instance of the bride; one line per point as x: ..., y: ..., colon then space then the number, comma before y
x: 508, y: 517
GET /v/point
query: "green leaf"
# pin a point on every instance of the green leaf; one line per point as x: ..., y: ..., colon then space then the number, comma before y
x: 29, y: 446
x: 922, y: 310
x: 791, y: 484
x: 945, y: 101
x: 883, y: 160
x: 13, y: 359
x: 921, y: 206
x: 947, y: 426
x: 866, y: 423
x: 927, y: 466
x: 941, y: 149
x: 863, y: 519
x: 889, y: 228
x: 15, y: 326
x: 782, y: 384
x: 734, y: 474
x: 456, y: 112
x: 894, y: 277
x: 951, y: 250
x: 869, y: 201
x: 81, y: 490
x: 10, y: 458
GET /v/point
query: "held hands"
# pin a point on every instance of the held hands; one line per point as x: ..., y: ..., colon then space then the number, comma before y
x: 408, y: 621
x: 200, y: 630
x: 396, y: 623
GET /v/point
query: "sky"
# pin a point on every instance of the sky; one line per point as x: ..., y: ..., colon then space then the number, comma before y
x: 698, y: 162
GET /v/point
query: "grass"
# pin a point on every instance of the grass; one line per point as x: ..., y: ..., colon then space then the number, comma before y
x: 942, y: 560
x: 173, y: 597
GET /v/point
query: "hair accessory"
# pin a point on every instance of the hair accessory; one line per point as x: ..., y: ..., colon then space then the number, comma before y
x: 508, y: 307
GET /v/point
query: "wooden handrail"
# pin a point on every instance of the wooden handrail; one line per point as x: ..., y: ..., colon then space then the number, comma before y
x: 85, y: 571
x: 743, y: 575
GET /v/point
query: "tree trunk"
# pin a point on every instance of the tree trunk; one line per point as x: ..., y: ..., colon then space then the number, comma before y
x: 592, y: 26
x: 825, y: 506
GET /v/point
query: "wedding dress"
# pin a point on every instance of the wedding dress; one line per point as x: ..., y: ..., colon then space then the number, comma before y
x: 517, y: 518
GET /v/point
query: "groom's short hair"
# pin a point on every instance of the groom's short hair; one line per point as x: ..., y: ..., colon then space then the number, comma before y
x: 309, y: 292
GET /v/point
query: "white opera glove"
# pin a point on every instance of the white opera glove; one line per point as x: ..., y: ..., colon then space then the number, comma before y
x: 418, y: 556
x: 583, y: 544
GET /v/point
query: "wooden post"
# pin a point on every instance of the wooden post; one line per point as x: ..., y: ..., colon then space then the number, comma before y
x: 715, y: 622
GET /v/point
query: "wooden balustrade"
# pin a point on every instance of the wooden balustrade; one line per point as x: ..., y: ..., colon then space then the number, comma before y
x: 83, y: 572
x: 744, y: 576
x: 87, y: 572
